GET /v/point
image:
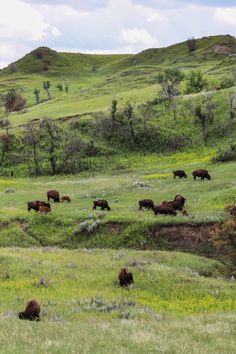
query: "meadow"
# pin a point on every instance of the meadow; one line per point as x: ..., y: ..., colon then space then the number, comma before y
x: 69, y: 259
x: 172, y: 307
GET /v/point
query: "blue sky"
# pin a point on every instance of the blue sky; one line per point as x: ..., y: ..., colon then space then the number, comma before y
x: 108, y: 26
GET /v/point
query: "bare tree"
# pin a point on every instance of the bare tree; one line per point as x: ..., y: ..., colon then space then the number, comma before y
x: 191, y: 44
x: 32, y: 139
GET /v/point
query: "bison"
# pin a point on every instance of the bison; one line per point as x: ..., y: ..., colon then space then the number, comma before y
x: 103, y: 204
x: 165, y: 209
x: 184, y: 212
x: 125, y: 277
x: 54, y: 195
x: 180, y: 174
x: 35, y: 205
x: 146, y: 203
x: 177, y: 203
x: 44, y: 209
x: 31, y: 312
x: 65, y: 198
x: 202, y: 174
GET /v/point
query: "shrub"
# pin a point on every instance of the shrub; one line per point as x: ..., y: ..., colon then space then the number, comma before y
x: 226, y: 82
x: 226, y: 155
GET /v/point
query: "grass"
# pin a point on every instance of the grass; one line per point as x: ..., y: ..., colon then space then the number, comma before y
x: 84, y: 309
x: 206, y: 201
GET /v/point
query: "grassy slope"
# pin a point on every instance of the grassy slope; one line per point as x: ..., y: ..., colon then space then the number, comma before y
x: 127, y: 77
x: 170, y: 309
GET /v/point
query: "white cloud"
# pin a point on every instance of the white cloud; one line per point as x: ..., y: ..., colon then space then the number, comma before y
x: 56, y: 32
x: 137, y: 36
x: 22, y: 21
x: 226, y: 16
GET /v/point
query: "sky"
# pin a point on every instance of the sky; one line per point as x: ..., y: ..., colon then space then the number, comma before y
x: 108, y: 26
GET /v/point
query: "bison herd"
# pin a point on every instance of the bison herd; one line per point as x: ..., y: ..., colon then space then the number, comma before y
x: 198, y: 173
x: 165, y: 208
x: 32, y: 310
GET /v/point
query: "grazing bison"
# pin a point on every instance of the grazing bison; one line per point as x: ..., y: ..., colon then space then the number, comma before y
x: 54, y: 195
x: 125, y: 277
x: 65, y: 198
x: 31, y: 312
x: 146, y: 203
x: 202, y: 174
x: 180, y: 174
x: 35, y: 205
x: 103, y: 204
x: 44, y: 209
x: 177, y: 203
x: 165, y: 209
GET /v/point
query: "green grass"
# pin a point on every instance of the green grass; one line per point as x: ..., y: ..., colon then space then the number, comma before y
x: 84, y: 309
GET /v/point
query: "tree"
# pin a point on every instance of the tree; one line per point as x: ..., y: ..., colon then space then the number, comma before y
x: 66, y: 87
x: 60, y: 87
x: 113, y: 112
x: 195, y: 82
x: 32, y: 138
x: 36, y: 92
x: 50, y: 133
x: 14, y: 102
x: 231, y: 116
x: 191, y: 44
x: 46, y: 86
x: 128, y: 113
x: 5, y: 124
x: 146, y: 111
x: 5, y: 146
x: 204, y: 116
x: 170, y: 81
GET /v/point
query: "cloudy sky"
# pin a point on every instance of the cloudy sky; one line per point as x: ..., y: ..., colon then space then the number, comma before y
x: 108, y: 26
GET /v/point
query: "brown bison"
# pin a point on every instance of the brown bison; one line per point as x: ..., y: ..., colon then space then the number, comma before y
x: 103, y: 204
x: 125, y: 277
x: 54, y: 195
x: 180, y: 174
x: 165, y: 209
x: 31, y: 312
x: 202, y: 174
x: 44, y: 209
x: 146, y: 203
x: 65, y: 198
x: 35, y: 205
x: 177, y: 203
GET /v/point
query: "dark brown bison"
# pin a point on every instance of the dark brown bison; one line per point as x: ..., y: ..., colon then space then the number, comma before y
x: 103, y: 204
x: 31, y: 312
x: 35, y: 205
x: 65, y: 198
x: 146, y: 203
x: 44, y: 209
x: 180, y: 174
x: 54, y: 195
x: 202, y: 174
x: 165, y: 209
x: 125, y: 277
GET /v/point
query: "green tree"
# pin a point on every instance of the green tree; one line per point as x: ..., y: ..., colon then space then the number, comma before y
x: 46, y: 86
x: 36, y: 92
x: 170, y: 81
x: 60, y: 87
x: 204, y: 116
x: 195, y: 82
